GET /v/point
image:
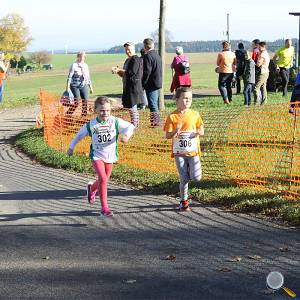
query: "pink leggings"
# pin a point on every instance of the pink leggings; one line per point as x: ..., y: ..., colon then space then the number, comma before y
x: 103, y: 171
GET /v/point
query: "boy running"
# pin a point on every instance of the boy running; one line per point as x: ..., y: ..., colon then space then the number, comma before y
x: 184, y: 126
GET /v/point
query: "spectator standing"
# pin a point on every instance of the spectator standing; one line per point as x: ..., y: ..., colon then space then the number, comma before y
x: 79, y: 82
x: 248, y: 78
x: 179, y: 78
x: 226, y: 62
x: 255, y: 53
x: 240, y: 63
x: 152, y: 79
x: 132, y: 81
x: 3, y: 69
x: 260, y: 90
x: 255, y: 49
x: 144, y: 104
x: 283, y: 59
x: 295, y: 97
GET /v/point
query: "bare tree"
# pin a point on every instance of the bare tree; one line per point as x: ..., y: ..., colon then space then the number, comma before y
x: 168, y: 37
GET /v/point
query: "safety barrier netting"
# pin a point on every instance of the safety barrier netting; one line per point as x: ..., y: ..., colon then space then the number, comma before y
x: 256, y: 146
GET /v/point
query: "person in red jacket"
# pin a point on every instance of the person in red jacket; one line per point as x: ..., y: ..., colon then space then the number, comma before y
x: 179, y: 79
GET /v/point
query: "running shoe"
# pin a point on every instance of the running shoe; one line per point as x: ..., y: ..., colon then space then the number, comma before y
x: 184, y: 205
x: 90, y: 195
x: 106, y: 213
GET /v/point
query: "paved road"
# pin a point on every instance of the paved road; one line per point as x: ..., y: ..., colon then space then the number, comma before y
x: 55, y: 246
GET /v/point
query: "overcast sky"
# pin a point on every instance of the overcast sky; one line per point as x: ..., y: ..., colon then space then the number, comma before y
x: 100, y: 24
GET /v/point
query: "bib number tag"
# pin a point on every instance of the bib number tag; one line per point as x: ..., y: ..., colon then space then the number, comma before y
x: 185, y: 143
x: 104, y: 138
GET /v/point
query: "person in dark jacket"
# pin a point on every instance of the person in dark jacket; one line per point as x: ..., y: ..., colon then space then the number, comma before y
x: 248, y: 78
x: 144, y: 103
x: 240, y: 63
x: 152, y: 79
x: 295, y: 97
x: 131, y: 74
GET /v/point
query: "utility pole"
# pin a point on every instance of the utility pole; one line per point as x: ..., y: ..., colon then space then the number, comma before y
x: 298, y: 15
x: 162, y: 49
x: 227, y: 31
x: 295, y: 60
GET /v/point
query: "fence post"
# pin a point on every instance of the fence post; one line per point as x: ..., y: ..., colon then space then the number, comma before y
x: 293, y: 143
x: 60, y: 130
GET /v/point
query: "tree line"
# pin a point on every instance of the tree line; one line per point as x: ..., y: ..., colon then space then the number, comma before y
x: 204, y: 46
x: 15, y: 37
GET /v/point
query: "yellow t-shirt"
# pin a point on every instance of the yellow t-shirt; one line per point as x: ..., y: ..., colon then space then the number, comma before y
x: 285, y: 57
x: 191, y: 122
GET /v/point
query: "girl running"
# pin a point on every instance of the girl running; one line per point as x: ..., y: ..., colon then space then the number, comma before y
x: 184, y: 126
x: 105, y: 132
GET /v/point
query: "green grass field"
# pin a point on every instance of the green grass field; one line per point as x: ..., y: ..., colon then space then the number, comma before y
x: 24, y: 89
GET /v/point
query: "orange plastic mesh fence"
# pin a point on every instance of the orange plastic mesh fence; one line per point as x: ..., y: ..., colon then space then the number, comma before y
x: 256, y: 146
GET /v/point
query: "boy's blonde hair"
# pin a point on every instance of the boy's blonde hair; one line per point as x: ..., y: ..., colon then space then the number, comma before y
x: 181, y: 90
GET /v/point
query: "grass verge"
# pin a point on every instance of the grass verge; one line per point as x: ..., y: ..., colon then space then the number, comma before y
x: 222, y: 193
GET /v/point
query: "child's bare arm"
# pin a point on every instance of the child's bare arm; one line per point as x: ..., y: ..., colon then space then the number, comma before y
x: 124, y: 138
x: 175, y: 132
x: 126, y: 131
x: 171, y: 134
x: 200, y: 131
